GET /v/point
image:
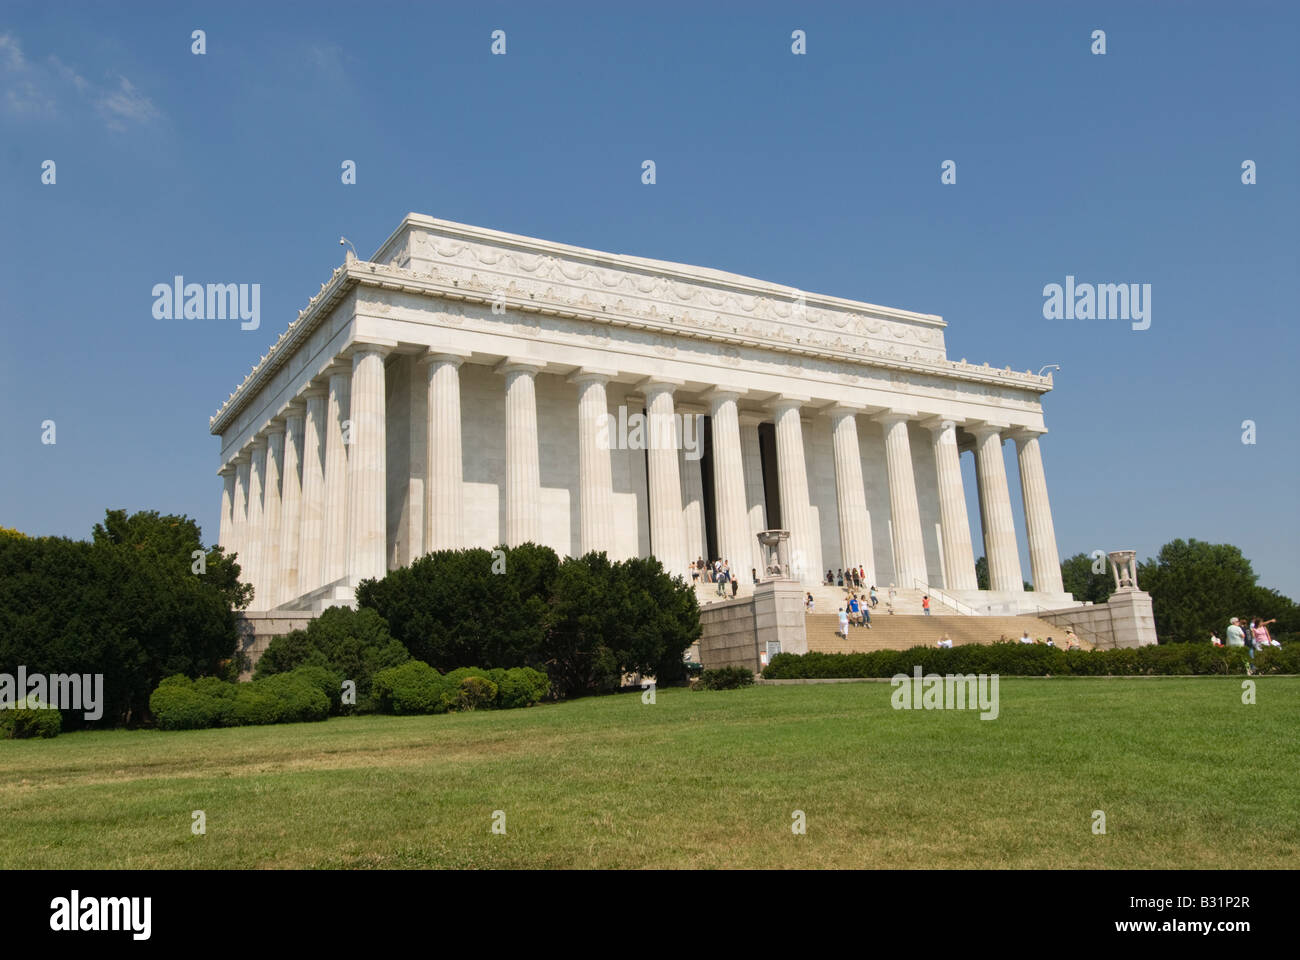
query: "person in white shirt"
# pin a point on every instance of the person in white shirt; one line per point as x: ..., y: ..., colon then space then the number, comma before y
x: 945, y: 641
x: 1025, y: 638
x: 844, y: 624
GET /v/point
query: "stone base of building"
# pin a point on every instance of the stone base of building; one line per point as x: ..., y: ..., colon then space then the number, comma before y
x: 1012, y: 603
x: 1125, y: 620
x: 747, y: 631
x: 256, y: 629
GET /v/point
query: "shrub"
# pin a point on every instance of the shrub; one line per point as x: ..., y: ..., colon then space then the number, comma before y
x: 726, y: 678
x: 284, y: 698
x: 177, y: 705
x: 323, y: 679
x: 520, y: 687
x: 349, y: 644
x: 29, y: 718
x: 414, y: 687
x: 1008, y: 659
x: 586, y: 621
x: 476, y: 692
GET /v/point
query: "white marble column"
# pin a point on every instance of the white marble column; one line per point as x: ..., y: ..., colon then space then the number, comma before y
x: 523, y: 471
x: 311, y: 525
x: 755, y: 502
x: 595, y: 473
x: 291, y: 503
x: 271, y: 512
x: 444, y: 479
x: 697, y: 535
x: 226, y: 531
x: 1044, y: 560
x: 851, y: 493
x: 667, y: 524
x: 367, y: 463
x: 995, y: 508
x: 792, y: 474
x: 954, y: 525
x: 239, y: 525
x: 334, y: 534
x: 905, y: 515
x: 730, y: 499
x: 255, y: 529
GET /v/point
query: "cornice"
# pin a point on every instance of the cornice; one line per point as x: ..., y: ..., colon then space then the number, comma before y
x: 384, y: 277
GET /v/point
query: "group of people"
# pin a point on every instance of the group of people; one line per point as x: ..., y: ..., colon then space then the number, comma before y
x: 719, y: 572
x: 856, y: 612
x: 853, y: 577
x: 1071, y: 640
x: 1251, y: 637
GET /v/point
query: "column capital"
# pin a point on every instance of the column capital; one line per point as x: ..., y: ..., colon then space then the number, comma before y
x: 723, y: 392
x: 748, y: 418
x: 433, y: 355
x: 520, y: 364
x: 1023, y: 435
x: 227, y: 469
x: 591, y: 375
x: 837, y: 410
x: 893, y: 415
x: 655, y: 385
x: 296, y: 407
x: 338, y: 367
x: 787, y: 401
x: 273, y: 426
x: 311, y: 389
x: 242, y: 457
x: 985, y: 428
x: 360, y: 347
x: 691, y: 409
x: 939, y: 425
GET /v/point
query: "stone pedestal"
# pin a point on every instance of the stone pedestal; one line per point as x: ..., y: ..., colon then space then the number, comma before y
x: 779, y: 616
x: 1132, y: 620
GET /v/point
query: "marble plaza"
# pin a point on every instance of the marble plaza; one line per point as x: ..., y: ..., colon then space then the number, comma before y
x: 453, y: 392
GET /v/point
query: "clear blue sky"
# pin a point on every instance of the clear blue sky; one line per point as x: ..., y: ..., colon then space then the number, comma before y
x: 819, y: 171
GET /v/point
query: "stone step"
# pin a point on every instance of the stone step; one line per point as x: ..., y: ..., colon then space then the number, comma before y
x: 900, y: 632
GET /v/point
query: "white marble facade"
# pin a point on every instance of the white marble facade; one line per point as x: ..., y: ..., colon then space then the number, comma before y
x: 448, y: 394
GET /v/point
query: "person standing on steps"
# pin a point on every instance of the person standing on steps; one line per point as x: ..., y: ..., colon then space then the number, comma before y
x: 925, y: 604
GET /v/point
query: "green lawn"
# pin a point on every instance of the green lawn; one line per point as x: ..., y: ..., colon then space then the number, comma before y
x: 1187, y: 775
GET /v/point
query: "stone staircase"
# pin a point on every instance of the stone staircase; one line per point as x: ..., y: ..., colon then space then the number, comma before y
x: 902, y: 631
x: 830, y: 599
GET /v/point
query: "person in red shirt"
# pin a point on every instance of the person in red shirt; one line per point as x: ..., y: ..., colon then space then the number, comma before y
x: 925, y: 604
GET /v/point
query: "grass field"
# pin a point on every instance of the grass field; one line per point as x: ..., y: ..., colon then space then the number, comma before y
x: 1187, y: 776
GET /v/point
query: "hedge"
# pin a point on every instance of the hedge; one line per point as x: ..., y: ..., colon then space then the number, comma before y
x: 415, y: 687
x: 301, y: 695
x: 29, y: 718
x: 1014, y: 659
x: 725, y: 678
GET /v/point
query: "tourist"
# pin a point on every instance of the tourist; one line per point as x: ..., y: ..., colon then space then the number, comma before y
x: 1262, y: 637
x: 753, y: 572
x: 1049, y: 642
x: 1214, y: 640
x: 875, y: 598
x: 839, y: 577
x: 1071, y: 641
x: 809, y: 603
x: 862, y: 573
x: 844, y: 623
x: 1249, y: 639
x: 695, y: 572
x: 735, y: 584
x: 1236, y: 638
x: 722, y: 581
x: 854, y: 617
x: 1026, y: 638
x: 830, y: 578
x: 857, y: 578
x: 945, y: 641
x: 925, y: 604
x: 866, y: 615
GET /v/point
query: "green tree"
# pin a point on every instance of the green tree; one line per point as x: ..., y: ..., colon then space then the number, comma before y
x: 1078, y: 578
x: 1196, y: 587
x: 982, y: 573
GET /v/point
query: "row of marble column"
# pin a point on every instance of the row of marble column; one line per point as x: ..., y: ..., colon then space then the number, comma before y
x: 305, y: 504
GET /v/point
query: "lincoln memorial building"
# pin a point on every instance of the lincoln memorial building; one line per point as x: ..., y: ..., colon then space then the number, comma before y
x: 470, y: 388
